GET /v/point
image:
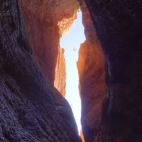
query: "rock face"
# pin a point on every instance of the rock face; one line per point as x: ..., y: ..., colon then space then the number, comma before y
x: 91, y: 77
x: 31, y: 109
x: 118, y: 26
x: 82, y: 136
x: 60, y: 72
x: 45, y: 23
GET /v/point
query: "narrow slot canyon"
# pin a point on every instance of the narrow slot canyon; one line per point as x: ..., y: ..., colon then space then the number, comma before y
x: 71, y: 43
x: 59, y: 87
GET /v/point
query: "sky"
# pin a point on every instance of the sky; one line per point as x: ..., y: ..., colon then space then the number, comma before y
x: 71, y: 42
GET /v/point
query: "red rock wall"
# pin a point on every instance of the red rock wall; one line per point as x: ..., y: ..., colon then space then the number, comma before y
x: 82, y: 136
x: 60, y: 72
x: 45, y: 23
x: 118, y: 25
x: 31, y: 109
x: 91, y: 77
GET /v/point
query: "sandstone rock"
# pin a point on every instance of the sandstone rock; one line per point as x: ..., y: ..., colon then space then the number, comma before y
x: 46, y: 21
x: 91, y: 77
x: 31, y: 109
x: 60, y: 72
x: 118, y: 26
x: 82, y: 136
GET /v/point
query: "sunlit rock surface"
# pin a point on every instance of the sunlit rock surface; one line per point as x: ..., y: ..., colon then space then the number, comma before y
x: 60, y: 72
x: 46, y: 21
x: 118, y: 25
x: 82, y: 136
x: 91, y: 78
x: 31, y: 109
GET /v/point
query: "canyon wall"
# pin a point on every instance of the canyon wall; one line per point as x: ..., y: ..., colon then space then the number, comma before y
x: 118, y: 25
x: 46, y: 21
x: 31, y: 109
x: 60, y: 72
x: 91, y: 78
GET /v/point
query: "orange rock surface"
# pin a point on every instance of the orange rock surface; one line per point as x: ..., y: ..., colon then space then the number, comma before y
x: 46, y: 21
x: 91, y: 76
x: 60, y: 72
x: 82, y: 136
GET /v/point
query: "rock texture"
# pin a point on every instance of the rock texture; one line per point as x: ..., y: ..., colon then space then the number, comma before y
x: 91, y: 78
x: 46, y: 21
x: 118, y: 26
x: 31, y: 109
x: 60, y: 72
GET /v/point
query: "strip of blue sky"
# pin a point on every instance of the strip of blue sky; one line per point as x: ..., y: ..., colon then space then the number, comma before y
x: 71, y: 42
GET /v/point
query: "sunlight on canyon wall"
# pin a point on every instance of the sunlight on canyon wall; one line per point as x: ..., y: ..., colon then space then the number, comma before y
x: 71, y: 43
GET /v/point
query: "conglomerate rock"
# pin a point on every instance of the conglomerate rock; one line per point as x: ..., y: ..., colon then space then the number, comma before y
x: 118, y: 25
x: 91, y: 77
x: 31, y: 109
x: 46, y: 21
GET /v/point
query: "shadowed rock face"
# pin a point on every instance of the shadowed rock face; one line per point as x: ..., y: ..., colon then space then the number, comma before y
x: 91, y: 77
x: 118, y: 26
x: 31, y: 109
